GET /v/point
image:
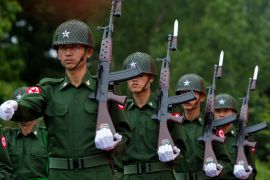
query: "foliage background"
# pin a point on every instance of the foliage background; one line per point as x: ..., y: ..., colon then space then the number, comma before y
x: 240, y: 28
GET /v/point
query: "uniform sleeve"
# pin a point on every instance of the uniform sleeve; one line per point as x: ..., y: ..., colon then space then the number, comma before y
x: 32, y: 105
x: 5, y: 163
x: 122, y: 126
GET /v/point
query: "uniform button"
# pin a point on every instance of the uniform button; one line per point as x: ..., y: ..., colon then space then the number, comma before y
x: 150, y: 103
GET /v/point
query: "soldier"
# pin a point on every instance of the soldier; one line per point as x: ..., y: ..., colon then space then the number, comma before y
x: 191, y: 165
x: 224, y: 107
x: 140, y: 159
x: 5, y: 165
x: 69, y: 114
x: 27, y: 146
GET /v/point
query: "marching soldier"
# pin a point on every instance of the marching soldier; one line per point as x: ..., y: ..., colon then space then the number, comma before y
x: 69, y: 114
x: 141, y: 159
x: 224, y: 107
x: 191, y: 165
x: 27, y: 146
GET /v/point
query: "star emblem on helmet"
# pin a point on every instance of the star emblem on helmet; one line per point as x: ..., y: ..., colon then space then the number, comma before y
x: 221, y: 101
x: 19, y: 96
x: 65, y: 34
x: 186, y: 83
x: 132, y: 64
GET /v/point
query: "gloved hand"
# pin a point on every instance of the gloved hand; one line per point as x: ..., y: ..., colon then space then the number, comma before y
x: 167, y: 153
x: 240, y: 172
x: 7, y: 109
x: 212, y: 170
x: 105, y: 140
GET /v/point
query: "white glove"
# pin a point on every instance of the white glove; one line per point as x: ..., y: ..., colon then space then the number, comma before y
x: 7, y: 109
x: 240, y: 172
x: 105, y: 140
x: 212, y: 170
x: 167, y: 153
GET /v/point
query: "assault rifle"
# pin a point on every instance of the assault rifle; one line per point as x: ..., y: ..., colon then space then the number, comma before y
x: 209, y: 122
x: 164, y: 101
x: 243, y: 129
x: 107, y: 79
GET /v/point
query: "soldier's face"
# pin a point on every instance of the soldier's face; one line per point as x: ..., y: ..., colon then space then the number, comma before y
x: 191, y: 105
x: 70, y: 55
x: 222, y: 113
x: 140, y: 84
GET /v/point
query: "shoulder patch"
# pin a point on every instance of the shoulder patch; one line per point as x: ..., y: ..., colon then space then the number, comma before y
x: 4, y: 142
x: 50, y: 81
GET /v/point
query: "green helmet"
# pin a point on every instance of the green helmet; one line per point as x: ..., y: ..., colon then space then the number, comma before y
x: 225, y: 101
x: 73, y: 32
x: 191, y: 82
x: 144, y: 61
x: 18, y: 93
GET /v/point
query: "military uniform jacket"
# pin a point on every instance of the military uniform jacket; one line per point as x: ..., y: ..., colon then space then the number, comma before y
x: 142, y: 147
x: 69, y: 114
x: 28, y: 154
x: 226, y: 154
x: 190, y: 166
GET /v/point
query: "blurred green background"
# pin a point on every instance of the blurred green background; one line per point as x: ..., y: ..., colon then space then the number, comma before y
x: 240, y: 28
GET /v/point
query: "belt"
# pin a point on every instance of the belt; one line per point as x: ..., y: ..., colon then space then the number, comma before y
x: 141, y: 168
x: 189, y: 175
x: 78, y: 163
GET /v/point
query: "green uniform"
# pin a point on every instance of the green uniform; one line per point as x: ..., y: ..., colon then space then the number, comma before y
x: 70, y: 116
x: 140, y: 158
x: 191, y: 165
x: 5, y: 164
x: 227, y: 153
x: 28, y: 154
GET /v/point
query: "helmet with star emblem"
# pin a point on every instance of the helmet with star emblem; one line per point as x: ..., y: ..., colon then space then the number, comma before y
x: 18, y: 93
x: 190, y: 82
x: 225, y: 101
x: 73, y: 32
x: 142, y: 60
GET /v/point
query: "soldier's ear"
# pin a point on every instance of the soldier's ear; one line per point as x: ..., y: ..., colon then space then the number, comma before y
x: 152, y: 78
x: 90, y: 52
x: 202, y: 97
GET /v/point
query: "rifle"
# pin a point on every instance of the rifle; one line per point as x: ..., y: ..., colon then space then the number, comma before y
x: 106, y: 79
x: 165, y: 102
x: 243, y: 129
x: 209, y: 122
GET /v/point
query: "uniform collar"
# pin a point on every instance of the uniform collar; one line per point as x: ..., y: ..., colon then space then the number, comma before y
x: 34, y: 132
x: 199, y: 120
x: 233, y: 131
x: 88, y: 81
x: 152, y: 103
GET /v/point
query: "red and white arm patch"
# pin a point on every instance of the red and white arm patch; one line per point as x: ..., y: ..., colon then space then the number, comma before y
x: 33, y: 90
x: 3, y: 142
x: 121, y: 107
x: 220, y: 133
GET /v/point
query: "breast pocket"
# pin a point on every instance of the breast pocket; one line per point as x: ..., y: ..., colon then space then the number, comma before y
x: 56, y: 113
x: 91, y: 109
x: 39, y: 157
x: 15, y: 159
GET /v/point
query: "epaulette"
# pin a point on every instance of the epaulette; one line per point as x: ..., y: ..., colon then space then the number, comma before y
x: 50, y: 81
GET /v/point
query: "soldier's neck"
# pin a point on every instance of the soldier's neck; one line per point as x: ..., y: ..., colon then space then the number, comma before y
x: 142, y: 98
x: 193, y: 114
x: 76, y: 76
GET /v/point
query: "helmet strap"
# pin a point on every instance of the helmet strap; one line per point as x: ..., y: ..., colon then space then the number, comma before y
x: 81, y: 59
